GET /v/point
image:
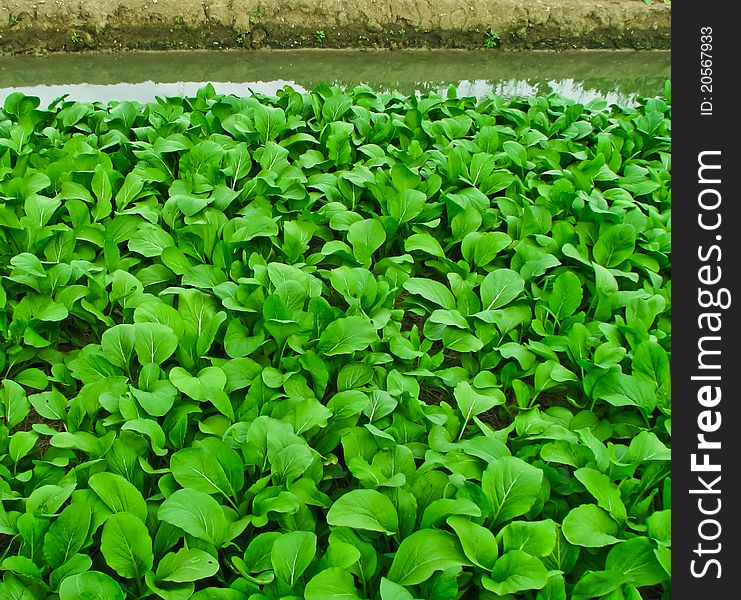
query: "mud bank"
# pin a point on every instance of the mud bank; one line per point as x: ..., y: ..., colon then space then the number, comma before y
x: 40, y: 26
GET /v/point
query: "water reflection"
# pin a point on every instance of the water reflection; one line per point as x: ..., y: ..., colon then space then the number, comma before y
x: 618, y: 76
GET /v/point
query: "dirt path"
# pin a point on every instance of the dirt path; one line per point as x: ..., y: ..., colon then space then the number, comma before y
x: 38, y: 26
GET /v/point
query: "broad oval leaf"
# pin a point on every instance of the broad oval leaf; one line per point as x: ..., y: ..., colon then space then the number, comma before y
x: 537, y: 538
x: 516, y: 571
x: 512, y: 485
x: 616, y: 245
x: 605, y: 492
x: 196, y: 513
x: 500, y: 287
x: 478, y: 542
x: 211, y: 466
x: 117, y: 344
x: 347, y: 335
x: 187, y: 564
x: 67, y: 534
x: 126, y: 545
x: 364, y: 509
x: 119, y: 494
x: 431, y: 290
x: 590, y: 526
x: 331, y: 584
x: 91, y: 585
x: 636, y: 559
x: 154, y: 343
x: 424, y: 552
x: 292, y: 554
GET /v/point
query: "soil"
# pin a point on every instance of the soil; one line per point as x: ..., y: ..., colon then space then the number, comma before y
x: 40, y: 26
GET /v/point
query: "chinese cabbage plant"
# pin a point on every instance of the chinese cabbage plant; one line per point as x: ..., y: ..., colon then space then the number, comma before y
x: 338, y: 344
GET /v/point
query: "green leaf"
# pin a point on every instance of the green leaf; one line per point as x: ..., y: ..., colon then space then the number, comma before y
x: 516, y: 152
x: 566, y: 295
x: 590, y: 526
x: 101, y: 186
x: 78, y: 563
x: 550, y: 374
x: 438, y: 510
x: 431, y: 290
x: 554, y: 589
x: 292, y: 554
x: 33, y: 378
x: 331, y: 584
x: 488, y: 246
x: 209, y: 382
x: 366, y: 237
x: 364, y: 509
x: 424, y: 552
x: 270, y: 122
x: 615, y: 245
x: 500, y: 287
x: 394, y: 591
x: 479, y: 543
x: 512, y: 485
x: 126, y: 545
x: 635, y: 559
x: 461, y: 341
x: 515, y: 571
x: 159, y: 399
x: 21, y: 443
x: 472, y: 403
x: 196, y: 513
x: 664, y: 556
x: 186, y: 565
x: 150, y: 241
x: 405, y: 205
x: 598, y: 584
x: 22, y: 565
x: 91, y: 585
x: 118, y: 494
x: 245, y: 230
x: 117, y: 344
x: 646, y: 446
x: 210, y: 466
x: 151, y: 429
x: 652, y: 361
x: 168, y: 590
x: 47, y: 499
x: 424, y: 242
x: 67, y: 534
x: 660, y: 526
x: 354, y: 375
x: 605, y: 492
x: 154, y: 343
x: 289, y: 463
x: 620, y: 389
x: 14, y: 403
x: 347, y: 335
x: 537, y: 538
x: 257, y: 555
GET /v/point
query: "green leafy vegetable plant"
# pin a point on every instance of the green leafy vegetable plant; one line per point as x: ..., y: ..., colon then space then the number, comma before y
x: 338, y: 344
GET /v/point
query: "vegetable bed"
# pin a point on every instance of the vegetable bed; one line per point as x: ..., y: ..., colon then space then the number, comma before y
x: 336, y: 345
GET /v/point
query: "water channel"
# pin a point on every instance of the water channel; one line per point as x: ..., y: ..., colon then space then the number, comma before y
x: 618, y: 76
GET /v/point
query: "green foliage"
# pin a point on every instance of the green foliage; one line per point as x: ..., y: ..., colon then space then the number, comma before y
x: 334, y: 345
x: 491, y: 39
